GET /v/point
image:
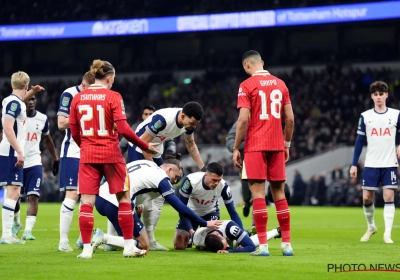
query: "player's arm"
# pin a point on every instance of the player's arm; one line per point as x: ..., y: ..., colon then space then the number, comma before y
x: 124, y: 144
x: 230, y: 139
x: 32, y: 92
x: 234, y: 232
x: 74, y: 126
x: 230, y: 206
x: 157, y: 124
x: 167, y: 191
x: 63, y: 111
x: 244, y: 106
x: 48, y: 141
x: 193, y: 150
x: 184, y: 194
x: 289, y: 122
x: 358, y: 146
x: 13, y: 109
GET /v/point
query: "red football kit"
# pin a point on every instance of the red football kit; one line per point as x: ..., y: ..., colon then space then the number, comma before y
x: 95, y: 111
x: 265, y: 95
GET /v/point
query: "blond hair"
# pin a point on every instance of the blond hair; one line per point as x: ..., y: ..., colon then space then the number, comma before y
x: 19, y: 80
x: 88, y: 77
x: 100, y: 69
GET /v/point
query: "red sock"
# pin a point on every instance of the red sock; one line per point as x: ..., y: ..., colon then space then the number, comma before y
x: 125, y: 219
x: 260, y: 219
x: 86, y: 222
x: 283, y: 215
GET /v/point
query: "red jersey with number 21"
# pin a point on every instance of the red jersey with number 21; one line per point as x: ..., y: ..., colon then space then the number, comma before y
x: 265, y: 95
x: 95, y: 110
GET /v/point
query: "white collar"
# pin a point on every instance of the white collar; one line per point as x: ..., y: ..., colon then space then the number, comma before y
x: 261, y: 73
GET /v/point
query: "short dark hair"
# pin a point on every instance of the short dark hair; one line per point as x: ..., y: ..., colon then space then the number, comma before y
x: 213, y: 243
x: 215, y: 167
x: 193, y: 109
x: 250, y: 54
x: 149, y: 107
x: 378, y: 86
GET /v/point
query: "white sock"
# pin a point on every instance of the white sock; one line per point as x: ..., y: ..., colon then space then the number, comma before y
x: 30, y: 222
x: 17, y: 218
x: 8, y: 216
x: 110, y: 228
x: 87, y: 247
x: 114, y: 240
x: 388, y: 216
x: 283, y: 244
x: 66, y: 214
x: 151, y: 215
x: 369, y: 211
x: 254, y: 238
x: 270, y: 234
x: 128, y: 243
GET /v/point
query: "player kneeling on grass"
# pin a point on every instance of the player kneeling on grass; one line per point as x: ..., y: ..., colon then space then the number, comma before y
x: 218, y: 240
x: 201, y: 191
x: 148, y: 181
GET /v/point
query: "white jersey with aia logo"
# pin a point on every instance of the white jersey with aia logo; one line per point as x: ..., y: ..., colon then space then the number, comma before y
x: 380, y: 130
x: 203, y: 200
x: 36, y: 126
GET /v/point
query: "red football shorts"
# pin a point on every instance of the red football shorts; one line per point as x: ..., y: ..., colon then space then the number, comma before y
x: 264, y: 165
x: 90, y: 175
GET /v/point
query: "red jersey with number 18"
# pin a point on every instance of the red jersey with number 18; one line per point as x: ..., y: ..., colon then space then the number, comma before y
x: 265, y: 95
x: 96, y: 110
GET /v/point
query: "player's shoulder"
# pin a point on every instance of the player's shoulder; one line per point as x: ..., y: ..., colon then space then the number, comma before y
x: 393, y: 111
x: 72, y: 90
x: 368, y: 113
x: 40, y: 116
x: 195, y: 177
x: 167, y: 112
x: 12, y: 98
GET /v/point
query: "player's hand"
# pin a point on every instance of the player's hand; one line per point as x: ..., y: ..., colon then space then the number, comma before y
x: 20, y: 160
x: 353, y: 171
x: 286, y: 154
x: 222, y: 252
x: 398, y: 151
x: 214, y: 223
x: 237, y: 160
x: 37, y: 88
x: 152, y: 148
x: 56, y: 167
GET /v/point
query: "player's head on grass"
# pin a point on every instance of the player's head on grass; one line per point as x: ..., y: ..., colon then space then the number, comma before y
x: 103, y: 72
x: 191, y: 115
x: 213, y: 175
x: 174, y: 169
x: 379, y: 93
x: 148, y: 110
x: 87, y: 80
x: 252, y: 62
x: 20, y: 81
x: 215, y: 241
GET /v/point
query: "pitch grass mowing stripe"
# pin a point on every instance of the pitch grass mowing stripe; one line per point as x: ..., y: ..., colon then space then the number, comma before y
x: 320, y: 237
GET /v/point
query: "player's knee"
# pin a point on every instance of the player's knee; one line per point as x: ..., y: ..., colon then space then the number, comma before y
x: 368, y: 196
x: 72, y: 194
x: 13, y: 192
x: 33, y: 200
x: 388, y: 195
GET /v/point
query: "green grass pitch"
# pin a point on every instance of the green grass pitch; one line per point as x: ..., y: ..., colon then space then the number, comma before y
x: 320, y: 236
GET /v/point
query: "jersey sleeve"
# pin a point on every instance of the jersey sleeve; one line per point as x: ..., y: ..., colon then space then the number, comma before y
x: 244, y: 100
x: 226, y: 194
x: 398, y: 121
x: 65, y: 103
x: 361, y: 126
x: 186, y: 188
x: 118, y: 108
x: 234, y: 232
x: 157, y: 124
x: 189, y: 132
x: 45, y: 130
x: 165, y: 188
x: 72, y: 116
x: 13, y: 109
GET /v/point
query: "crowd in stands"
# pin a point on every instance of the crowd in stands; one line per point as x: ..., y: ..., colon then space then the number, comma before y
x: 327, y: 105
x: 69, y: 10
